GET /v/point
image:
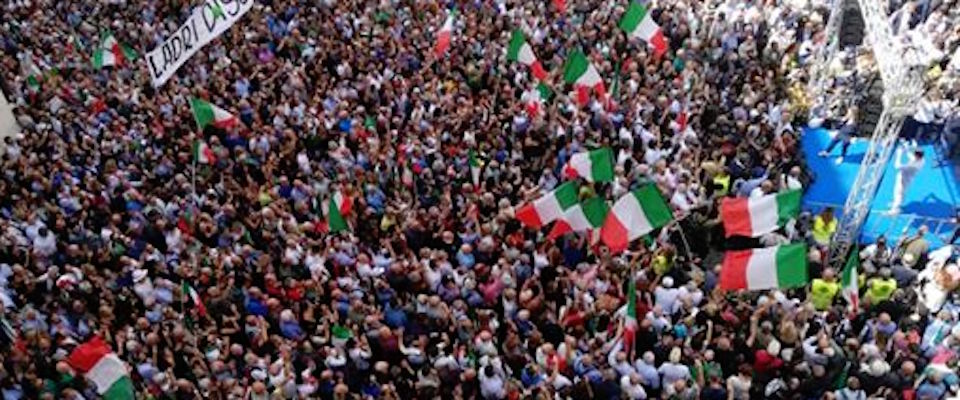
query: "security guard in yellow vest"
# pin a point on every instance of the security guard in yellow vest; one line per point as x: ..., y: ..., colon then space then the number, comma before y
x: 823, y: 290
x: 881, y: 288
x: 721, y: 183
x: 824, y: 225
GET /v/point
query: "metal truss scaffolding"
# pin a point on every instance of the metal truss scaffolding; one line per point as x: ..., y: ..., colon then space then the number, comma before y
x: 902, y: 90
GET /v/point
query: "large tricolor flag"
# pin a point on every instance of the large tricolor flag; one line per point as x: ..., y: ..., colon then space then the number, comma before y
x: 549, y: 207
x: 111, y: 52
x: 586, y: 216
x: 521, y: 52
x: 639, y: 23
x: 580, y: 72
x: 592, y: 166
x: 99, y: 364
x: 850, y: 282
x: 778, y: 267
x: 445, y: 34
x: 753, y: 217
x: 205, y: 113
x: 534, y: 99
x: 635, y: 214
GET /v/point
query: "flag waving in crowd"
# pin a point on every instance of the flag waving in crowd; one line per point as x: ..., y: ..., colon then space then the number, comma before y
x: 592, y: 166
x: 754, y: 217
x: 586, y: 216
x: 584, y: 76
x: 634, y: 215
x: 445, y: 34
x: 111, y: 52
x: 99, y: 364
x: 206, y: 114
x: 549, y: 207
x: 779, y: 267
x: 850, y: 282
x: 639, y: 23
x: 520, y: 51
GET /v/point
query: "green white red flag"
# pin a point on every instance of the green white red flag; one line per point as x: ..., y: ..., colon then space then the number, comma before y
x: 586, y: 216
x: 754, y: 217
x: 335, y: 211
x: 592, y: 166
x: 585, y: 78
x: 535, y: 98
x: 850, y: 282
x: 100, y: 365
x: 549, y: 207
x: 638, y: 23
x: 112, y: 52
x: 203, y: 154
x: 205, y: 113
x: 194, y: 298
x: 634, y: 215
x: 520, y: 51
x: 630, y: 324
x: 445, y: 35
x: 476, y: 167
x: 778, y: 267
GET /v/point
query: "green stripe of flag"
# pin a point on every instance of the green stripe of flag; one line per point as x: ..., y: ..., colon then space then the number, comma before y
x: 601, y: 164
x: 595, y: 210
x: 792, y: 266
x: 788, y: 206
x: 654, y: 206
x: 566, y: 195
x: 575, y: 67
x: 634, y: 15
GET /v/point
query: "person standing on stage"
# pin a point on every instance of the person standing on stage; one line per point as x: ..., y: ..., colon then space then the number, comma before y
x: 906, y: 172
x: 844, y: 134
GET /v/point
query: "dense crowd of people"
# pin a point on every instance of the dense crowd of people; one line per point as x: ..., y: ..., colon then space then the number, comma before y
x: 435, y: 290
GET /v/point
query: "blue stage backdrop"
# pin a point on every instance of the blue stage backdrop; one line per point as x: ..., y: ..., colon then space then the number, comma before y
x: 930, y: 199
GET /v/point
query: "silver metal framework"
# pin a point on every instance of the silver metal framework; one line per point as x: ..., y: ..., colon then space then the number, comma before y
x: 902, y: 89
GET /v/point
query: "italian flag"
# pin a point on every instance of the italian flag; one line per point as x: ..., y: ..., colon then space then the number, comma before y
x: 753, y: 217
x: 535, y: 98
x: 475, y: 167
x: 548, y: 208
x: 444, y: 35
x: 335, y: 210
x: 99, y: 364
x: 630, y: 324
x: 592, y: 166
x: 634, y: 215
x: 584, y: 76
x: 205, y: 113
x: 194, y: 297
x: 850, y: 282
x: 520, y: 51
x: 778, y: 267
x: 202, y: 153
x: 638, y: 23
x: 32, y: 72
x: 586, y: 216
x: 111, y: 52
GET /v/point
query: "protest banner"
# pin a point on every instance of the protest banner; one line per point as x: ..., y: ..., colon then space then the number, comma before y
x: 205, y: 24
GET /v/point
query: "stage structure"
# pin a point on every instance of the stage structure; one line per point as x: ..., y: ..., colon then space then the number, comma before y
x: 902, y: 88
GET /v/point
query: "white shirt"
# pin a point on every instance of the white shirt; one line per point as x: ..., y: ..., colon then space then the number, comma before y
x: 909, y: 170
x: 632, y: 391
